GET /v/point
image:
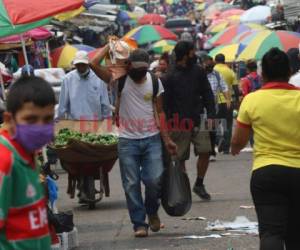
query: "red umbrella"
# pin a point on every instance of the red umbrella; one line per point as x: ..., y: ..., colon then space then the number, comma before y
x: 152, y: 19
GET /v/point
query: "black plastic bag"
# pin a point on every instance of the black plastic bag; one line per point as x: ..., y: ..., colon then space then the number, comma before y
x: 176, y: 190
x: 62, y: 222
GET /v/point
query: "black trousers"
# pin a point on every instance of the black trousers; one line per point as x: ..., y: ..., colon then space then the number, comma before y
x: 225, y: 113
x: 276, y: 194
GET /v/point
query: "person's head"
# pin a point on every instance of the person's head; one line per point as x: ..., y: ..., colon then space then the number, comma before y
x: 81, y: 63
x: 293, y: 55
x: 163, y: 63
x: 251, y: 66
x: 208, y: 64
x: 220, y: 58
x: 276, y: 66
x: 27, y: 70
x: 185, y: 53
x: 138, y: 65
x: 29, y: 112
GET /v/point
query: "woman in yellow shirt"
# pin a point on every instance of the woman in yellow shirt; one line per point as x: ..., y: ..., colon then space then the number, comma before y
x: 273, y: 112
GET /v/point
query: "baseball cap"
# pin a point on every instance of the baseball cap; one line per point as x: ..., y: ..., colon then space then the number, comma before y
x: 139, y: 58
x: 81, y: 57
x: 27, y: 70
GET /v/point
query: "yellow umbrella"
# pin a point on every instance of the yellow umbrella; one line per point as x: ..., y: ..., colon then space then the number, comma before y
x: 230, y: 51
x: 218, y: 27
x: 200, y: 6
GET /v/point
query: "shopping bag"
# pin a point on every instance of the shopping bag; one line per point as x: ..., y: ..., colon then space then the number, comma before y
x: 176, y: 190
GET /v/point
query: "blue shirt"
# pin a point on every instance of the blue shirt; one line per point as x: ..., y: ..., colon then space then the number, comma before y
x: 83, y: 98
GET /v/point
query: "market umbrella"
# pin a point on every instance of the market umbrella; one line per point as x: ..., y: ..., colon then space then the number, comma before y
x: 231, y: 12
x: 62, y: 57
x: 125, y: 16
x: 200, y: 6
x: 263, y: 41
x: 231, y: 51
x: 163, y: 46
x: 225, y: 36
x: 18, y: 16
x: 152, y: 19
x: 218, y: 26
x: 150, y: 33
x: 218, y: 6
x: 257, y: 14
x: 40, y: 33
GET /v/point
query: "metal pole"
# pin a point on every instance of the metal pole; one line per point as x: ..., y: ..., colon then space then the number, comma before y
x: 25, y: 53
x: 2, y: 87
x: 48, y: 55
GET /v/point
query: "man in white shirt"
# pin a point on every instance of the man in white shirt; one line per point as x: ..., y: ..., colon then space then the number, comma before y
x: 140, y: 148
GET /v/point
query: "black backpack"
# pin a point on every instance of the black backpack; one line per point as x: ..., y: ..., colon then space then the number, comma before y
x: 155, y: 84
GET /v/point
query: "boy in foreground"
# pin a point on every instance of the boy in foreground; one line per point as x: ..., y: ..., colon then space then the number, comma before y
x: 28, y: 126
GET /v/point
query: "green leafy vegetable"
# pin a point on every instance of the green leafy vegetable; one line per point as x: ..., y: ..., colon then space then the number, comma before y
x: 65, y: 135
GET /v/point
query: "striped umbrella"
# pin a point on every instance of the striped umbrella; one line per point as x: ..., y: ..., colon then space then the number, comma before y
x: 18, y: 16
x: 263, y: 41
x: 62, y: 57
x: 150, y: 33
x: 225, y: 36
x: 231, y: 51
x: 163, y: 46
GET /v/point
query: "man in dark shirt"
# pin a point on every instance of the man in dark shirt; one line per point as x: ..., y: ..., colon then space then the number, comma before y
x: 187, y: 93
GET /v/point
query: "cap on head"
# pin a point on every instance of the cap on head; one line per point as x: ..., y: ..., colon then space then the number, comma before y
x: 27, y: 70
x: 139, y: 58
x: 81, y: 57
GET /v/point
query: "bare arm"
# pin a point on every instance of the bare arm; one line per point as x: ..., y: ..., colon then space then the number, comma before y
x: 162, y: 120
x: 240, y: 138
x: 101, y: 71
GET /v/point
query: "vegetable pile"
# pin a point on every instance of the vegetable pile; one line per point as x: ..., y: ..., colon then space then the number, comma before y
x: 65, y: 135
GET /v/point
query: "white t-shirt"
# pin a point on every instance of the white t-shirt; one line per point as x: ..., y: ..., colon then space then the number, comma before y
x: 295, y: 80
x: 136, y: 109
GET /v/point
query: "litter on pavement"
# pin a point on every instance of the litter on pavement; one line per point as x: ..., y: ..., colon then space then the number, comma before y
x: 246, y: 207
x: 194, y: 218
x: 215, y: 236
x: 240, y: 224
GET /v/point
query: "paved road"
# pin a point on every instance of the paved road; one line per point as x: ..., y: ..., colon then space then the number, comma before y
x: 108, y: 226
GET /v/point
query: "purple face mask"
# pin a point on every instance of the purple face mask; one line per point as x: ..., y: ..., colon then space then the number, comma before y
x: 34, y: 137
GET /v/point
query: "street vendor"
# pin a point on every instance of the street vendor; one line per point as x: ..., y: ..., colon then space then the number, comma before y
x: 83, y: 95
x: 28, y: 126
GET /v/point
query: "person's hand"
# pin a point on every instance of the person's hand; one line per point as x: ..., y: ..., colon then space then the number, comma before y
x: 235, y: 151
x: 171, y: 147
x: 228, y: 104
x: 210, y: 124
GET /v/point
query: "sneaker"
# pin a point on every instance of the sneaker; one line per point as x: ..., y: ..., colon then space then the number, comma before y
x: 201, y: 192
x: 154, y: 223
x: 141, y: 232
x: 212, y: 158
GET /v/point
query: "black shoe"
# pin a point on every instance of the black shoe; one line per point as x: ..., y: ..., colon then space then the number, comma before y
x: 201, y: 192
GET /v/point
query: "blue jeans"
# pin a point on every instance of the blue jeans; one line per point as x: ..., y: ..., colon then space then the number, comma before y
x: 141, y: 160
